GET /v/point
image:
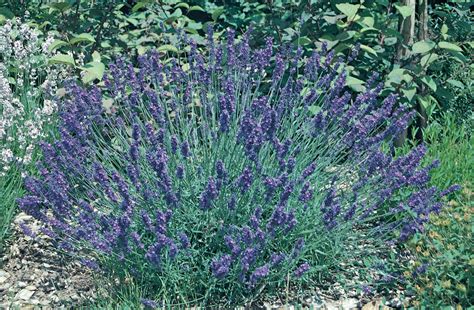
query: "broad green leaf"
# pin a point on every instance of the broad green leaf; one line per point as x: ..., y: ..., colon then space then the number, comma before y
x: 350, y: 10
x: 404, y: 10
x: 177, y: 13
x: 367, y: 29
x: 444, y: 29
x: 422, y: 47
x: 167, y: 48
x: 139, y: 5
x: 345, y: 35
x: 426, y: 102
x: 368, y: 21
x: 93, y: 70
x: 427, y: 59
x: 331, y: 19
x: 449, y: 46
x: 397, y: 76
x: 409, y: 92
x: 428, y: 80
x: 458, y: 56
x: 56, y: 44
x: 83, y: 37
x: 355, y: 84
x: 303, y: 41
x: 60, y: 6
x: 182, y: 5
x: 217, y: 13
x: 196, y: 8
x: 62, y: 59
x: 141, y: 49
x: 456, y: 83
x: 194, y: 25
x: 330, y: 42
x: 96, y: 56
x: 107, y: 103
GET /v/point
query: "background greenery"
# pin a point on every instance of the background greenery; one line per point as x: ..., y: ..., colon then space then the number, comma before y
x: 435, y: 74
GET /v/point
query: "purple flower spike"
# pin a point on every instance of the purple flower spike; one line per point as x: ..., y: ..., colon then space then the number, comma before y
x: 245, y: 179
x: 302, y: 269
x: 258, y: 274
x: 220, y: 267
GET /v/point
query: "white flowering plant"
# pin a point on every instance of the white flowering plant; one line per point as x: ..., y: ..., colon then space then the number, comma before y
x: 28, y: 88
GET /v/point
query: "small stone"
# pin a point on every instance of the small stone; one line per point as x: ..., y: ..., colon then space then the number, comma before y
x: 22, y: 284
x: 24, y: 294
x: 31, y: 288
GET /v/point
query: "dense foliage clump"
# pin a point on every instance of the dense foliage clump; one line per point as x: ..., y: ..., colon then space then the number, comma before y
x: 229, y: 173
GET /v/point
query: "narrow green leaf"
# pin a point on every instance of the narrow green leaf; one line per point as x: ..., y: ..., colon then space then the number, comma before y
x: 368, y: 49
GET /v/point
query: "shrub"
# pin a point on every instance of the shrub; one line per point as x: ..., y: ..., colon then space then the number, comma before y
x: 229, y: 174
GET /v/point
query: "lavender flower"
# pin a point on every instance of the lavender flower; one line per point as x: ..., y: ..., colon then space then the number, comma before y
x: 303, y: 268
x: 258, y: 274
x: 210, y: 193
x: 245, y: 179
x: 220, y: 267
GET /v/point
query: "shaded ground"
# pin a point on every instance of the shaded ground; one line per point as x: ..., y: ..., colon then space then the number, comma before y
x: 34, y: 275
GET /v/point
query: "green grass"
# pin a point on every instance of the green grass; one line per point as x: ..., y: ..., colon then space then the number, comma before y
x: 446, y: 246
x: 10, y: 190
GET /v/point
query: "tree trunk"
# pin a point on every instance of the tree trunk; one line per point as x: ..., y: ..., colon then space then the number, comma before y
x: 406, y: 27
x: 422, y: 11
x: 422, y: 117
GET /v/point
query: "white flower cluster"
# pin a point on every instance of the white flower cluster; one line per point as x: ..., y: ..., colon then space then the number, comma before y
x: 27, y: 92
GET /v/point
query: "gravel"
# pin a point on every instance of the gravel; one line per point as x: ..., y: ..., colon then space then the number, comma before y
x: 34, y: 274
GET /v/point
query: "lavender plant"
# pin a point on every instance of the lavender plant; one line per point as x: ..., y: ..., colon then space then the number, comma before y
x: 229, y: 173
